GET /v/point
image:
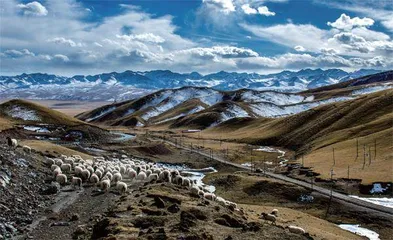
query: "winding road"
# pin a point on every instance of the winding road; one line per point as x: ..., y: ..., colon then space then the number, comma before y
x: 324, y: 191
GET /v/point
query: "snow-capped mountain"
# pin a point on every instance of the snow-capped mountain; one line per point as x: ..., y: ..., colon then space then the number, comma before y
x: 129, y: 83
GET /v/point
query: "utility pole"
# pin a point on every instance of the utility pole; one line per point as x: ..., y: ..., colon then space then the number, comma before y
x: 375, y: 149
x: 357, y: 149
x: 369, y: 155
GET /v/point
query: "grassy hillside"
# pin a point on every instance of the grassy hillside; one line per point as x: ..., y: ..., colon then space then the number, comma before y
x: 18, y: 111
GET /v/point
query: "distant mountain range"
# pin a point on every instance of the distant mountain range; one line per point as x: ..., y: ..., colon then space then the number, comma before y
x: 123, y: 85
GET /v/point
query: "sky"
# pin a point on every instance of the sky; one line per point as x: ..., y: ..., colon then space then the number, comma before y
x: 69, y: 37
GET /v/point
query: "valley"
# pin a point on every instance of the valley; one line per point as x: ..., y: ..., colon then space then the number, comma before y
x: 259, y: 149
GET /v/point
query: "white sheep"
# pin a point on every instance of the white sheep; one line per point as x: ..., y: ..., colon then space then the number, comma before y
x: 94, y: 179
x: 78, y: 170
x: 221, y: 201
x: 148, y: 172
x: 56, y: 172
x: 85, y: 174
x: 27, y: 149
x: 53, y: 167
x: 76, y: 181
x: 269, y: 217
x: 209, y: 196
x: 50, y: 162
x: 201, y: 193
x: 141, y: 176
x: 297, y: 230
x: 109, y: 176
x: 165, y: 176
x: 177, y: 180
x: 117, y: 177
x: 122, y: 169
x: 186, y: 182
x: 90, y: 169
x: 69, y: 160
x: 58, y: 161
x: 61, y: 178
x: 98, y: 173
x: 105, y: 184
x: 12, y: 142
x: 131, y: 173
x: 274, y: 212
x: 152, y: 177
x: 66, y: 167
x: 121, y: 187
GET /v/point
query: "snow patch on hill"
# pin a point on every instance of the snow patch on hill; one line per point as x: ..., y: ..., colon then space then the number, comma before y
x: 373, y: 89
x: 104, y: 112
x: 23, y: 113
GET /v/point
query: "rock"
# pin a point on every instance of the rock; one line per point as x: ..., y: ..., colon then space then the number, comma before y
x: 75, y: 217
x: 53, y: 188
x: 158, y: 202
x: 174, y: 208
x: 81, y: 229
x: 187, y: 220
x: 233, y: 222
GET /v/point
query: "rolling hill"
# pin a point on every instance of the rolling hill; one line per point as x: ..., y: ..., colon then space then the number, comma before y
x: 202, y: 108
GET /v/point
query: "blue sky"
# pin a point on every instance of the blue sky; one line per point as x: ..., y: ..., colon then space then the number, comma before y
x: 68, y: 37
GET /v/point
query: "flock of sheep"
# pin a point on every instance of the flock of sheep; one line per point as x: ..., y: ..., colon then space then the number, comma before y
x: 106, y: 174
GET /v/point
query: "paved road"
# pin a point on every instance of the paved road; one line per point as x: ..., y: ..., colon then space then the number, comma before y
x: 321, y: 190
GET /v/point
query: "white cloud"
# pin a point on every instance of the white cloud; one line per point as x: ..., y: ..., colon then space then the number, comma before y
x: 225, y: 6
x: 219, y: 51
x: 329, y: 51
x: 263, y: 10
x: 12, y: 53
x: 33, y: 9
x: 61, y: 57
x: 299, y: 48
x: 61, y: 40
x: 345, y: 22
x: 248, y: 10
x: 145, y: 37
x: 97, y: 44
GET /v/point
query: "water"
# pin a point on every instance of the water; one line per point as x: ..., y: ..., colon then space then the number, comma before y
x: 355, y: 228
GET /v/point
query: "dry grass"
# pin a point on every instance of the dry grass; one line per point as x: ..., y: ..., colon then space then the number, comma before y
x: 5, y: 124
x: 50, y: 148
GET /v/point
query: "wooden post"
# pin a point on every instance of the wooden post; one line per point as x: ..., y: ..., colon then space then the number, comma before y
x: 331, y: 193
x: 348, y: 180
x: 375, y: 149
x: 364, y: 155
x: 334, y: 159
x: 369, y: 155
x: 302, y: 160
x: 357, y: 149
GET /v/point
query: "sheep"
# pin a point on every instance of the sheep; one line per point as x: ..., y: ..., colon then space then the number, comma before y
x: 152, y: 177
x: 121, y: 187
x: 148, y: 172
x: 27, y: 149
x: 56, y: 172
x: 78, y: 170
x: 50, y: 162
x: 141, y: 176
x: 201, y: 193
x: 69, y: 160
x: 105, y: 184
x: 53, y: 167
x: 117, y: 177
x: 209, y: 196
x: 269, y: 217
x: 165, y: 176
x: 297, y: 230
x: 58, y: 161
x: 98, y: 173
x: 65, y: 167
x: 94, y: 179
x: 122, y: 169
x: 231, y: 204
x: 220, y: 201
x: 109, y: 176
x: 186, y: 182
x: 85, y: 174
x: 274, y: 212
x: 76, y: 181
x: 61, y: 178
x: 13, y: 143
x: 90, y: 169
x: 131, y: 173
x: 177, y: 180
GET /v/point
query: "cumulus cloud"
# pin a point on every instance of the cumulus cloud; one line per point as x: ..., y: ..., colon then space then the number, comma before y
x: 345, y: 22
x: 61, y: 57
x: 263, y: 10
x: 145, y: 37
x: 248, y: 10
x: 68, y: 42
x: 329, y: 51
x: 12, y: 53
x: 217, y: 52
x: 33, y: 9
x: 299, y: 48
x: 225, y: 6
